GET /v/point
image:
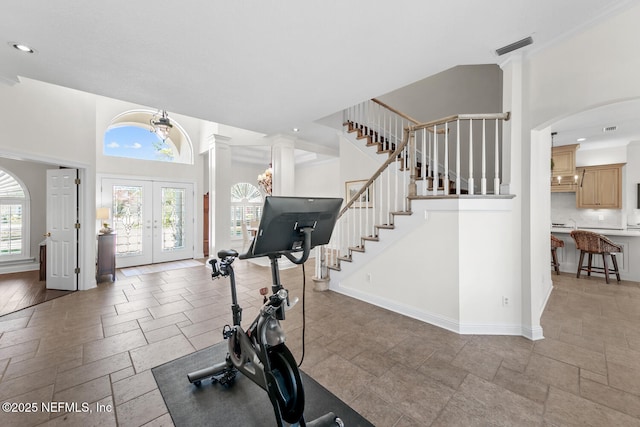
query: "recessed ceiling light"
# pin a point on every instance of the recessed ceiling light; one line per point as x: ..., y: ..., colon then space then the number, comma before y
x: 581, y: 139
x: 296, y: 129
x: 22, y: 47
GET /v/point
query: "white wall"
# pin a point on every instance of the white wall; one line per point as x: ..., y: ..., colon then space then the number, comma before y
x: 586, y: 70
x: 319, y: 180
x: 55, y: 125
x: 447, y: 268
x: 354, y: 164
x: 632, y: 179
x: 246, y: 172
x: 47, y: 121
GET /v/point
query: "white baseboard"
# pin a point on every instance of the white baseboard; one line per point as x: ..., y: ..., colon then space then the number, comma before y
x: 19, y: 267
x: 444, y: 322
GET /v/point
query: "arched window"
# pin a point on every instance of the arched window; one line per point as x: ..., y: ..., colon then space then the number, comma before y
x: 129, y: 135
x: 14, y: 218
x: 246, y: 206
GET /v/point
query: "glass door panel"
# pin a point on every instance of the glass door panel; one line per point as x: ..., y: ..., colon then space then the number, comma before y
x: 172, y: 221
x: 153, y: 221
x: 130, y: 203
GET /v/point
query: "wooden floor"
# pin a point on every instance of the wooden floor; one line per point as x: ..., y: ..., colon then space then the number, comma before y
x: 22, y: 290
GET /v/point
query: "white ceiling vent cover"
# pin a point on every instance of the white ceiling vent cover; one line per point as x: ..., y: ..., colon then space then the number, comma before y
x: 610, y: 129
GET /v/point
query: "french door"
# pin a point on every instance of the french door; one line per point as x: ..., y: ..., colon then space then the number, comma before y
x: 153, y: 220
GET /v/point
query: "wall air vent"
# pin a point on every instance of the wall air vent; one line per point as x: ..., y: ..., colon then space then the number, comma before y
x: 610, y: 129
x: 514, y: 46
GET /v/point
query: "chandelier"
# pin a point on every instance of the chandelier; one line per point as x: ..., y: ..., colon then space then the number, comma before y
x: 161, y: 125
x: 265, y: 180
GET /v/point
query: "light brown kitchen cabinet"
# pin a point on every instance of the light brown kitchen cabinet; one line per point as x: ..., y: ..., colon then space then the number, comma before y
x: 599, y: 187
x: 564, y: 160
x: 563, y: 172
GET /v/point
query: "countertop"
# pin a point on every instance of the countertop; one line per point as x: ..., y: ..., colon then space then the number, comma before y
x: 632, y: 232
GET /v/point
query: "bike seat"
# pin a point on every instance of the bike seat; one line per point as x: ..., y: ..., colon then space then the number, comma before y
x: 226, y: 253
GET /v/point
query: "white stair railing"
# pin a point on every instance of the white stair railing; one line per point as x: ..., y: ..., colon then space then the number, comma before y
x: 444, y: 163
x: 417, y: 152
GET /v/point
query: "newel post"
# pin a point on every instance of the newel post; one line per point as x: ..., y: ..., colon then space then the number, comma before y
x: 412, y: 165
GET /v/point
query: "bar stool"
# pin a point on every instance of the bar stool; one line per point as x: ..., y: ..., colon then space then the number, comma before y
x: 555, y: 244
x: 593, y: 243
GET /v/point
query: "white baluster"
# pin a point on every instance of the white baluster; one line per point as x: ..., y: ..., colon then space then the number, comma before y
x: 458, y: 156
x: 423, y: 166
x: 435, y: 160
x: 483, y: 179
x: 445, y: 178
x: 496, y: 175
x: 470, y: 182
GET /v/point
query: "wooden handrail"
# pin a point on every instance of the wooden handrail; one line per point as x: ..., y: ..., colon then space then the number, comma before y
x: 431, y: 124
x: 407, y: 132
x: 392, y: 158
x: 401, y: 114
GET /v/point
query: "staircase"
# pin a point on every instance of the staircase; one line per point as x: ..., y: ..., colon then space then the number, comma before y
x: 417, y: 155
x: 385, y: 146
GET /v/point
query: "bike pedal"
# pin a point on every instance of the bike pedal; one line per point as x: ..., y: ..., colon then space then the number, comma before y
x: 227, y: 332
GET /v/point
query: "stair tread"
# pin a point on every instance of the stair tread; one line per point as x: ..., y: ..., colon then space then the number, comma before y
x: 371, y: 238
x: 356, y: 248
x: 386, y: 226
x: 402, y: 213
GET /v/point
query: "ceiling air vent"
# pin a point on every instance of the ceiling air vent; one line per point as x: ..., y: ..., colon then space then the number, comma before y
x: 610, y: 129
x: 514, y: 46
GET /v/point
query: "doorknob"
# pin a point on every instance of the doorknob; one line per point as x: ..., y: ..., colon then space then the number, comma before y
x: 47, y: 234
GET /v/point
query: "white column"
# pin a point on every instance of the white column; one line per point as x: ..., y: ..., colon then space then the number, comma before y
x: 219, y: 193
x: 283, y: 161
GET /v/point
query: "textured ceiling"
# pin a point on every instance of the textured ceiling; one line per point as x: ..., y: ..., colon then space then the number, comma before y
x: 268, y: 66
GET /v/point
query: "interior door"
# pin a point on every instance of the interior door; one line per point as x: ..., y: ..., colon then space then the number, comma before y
x: 62, y: 234
x: 153, y: 220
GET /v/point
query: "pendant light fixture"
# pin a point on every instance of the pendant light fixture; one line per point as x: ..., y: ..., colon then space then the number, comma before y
x: 161, y: 125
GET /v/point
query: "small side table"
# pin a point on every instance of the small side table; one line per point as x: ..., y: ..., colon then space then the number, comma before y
x: 106, y: 263
x: 43, y: 262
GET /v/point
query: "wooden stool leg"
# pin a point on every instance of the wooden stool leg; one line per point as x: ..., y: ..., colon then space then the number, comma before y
x: 615, y: 265
x: 580, y: 264
x: 554, y: 256
x: 606, y: 267
x: 589, y: 265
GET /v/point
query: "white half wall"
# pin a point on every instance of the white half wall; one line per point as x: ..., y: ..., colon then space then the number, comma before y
x: 453, y: 267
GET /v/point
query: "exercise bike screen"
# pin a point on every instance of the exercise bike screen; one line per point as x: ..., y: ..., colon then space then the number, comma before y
x: 284, y: 217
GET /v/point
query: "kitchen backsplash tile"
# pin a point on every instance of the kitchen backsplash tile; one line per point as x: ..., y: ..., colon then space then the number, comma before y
x: 563, y: 210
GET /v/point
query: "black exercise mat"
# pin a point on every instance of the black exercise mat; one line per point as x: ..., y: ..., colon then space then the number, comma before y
x: 244, y: 404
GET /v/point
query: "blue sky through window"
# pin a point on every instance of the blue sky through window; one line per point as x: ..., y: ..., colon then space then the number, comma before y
x: 134, y: 142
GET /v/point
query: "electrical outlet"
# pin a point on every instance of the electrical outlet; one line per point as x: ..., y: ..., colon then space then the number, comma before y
x: 426, y: 215
x: 505, y: 301
x: 600, y: 217
x: 368, y: 277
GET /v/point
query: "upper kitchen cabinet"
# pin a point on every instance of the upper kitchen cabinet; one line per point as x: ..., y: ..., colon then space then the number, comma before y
x: 563, y: 168
x: 600, y: 187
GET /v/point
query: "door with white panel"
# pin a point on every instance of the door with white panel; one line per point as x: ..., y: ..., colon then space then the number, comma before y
x: 62, y: 231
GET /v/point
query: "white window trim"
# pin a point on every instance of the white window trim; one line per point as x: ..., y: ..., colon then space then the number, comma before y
x: 26, y: 222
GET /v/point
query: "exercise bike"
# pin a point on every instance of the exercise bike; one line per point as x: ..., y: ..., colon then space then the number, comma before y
x: 260, y: 352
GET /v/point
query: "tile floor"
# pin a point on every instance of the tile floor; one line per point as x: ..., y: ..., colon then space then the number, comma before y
x: 21, y: 290
x: 97, y: 347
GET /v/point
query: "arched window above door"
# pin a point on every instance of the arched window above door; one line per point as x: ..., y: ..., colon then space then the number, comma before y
x: 129, y: 135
